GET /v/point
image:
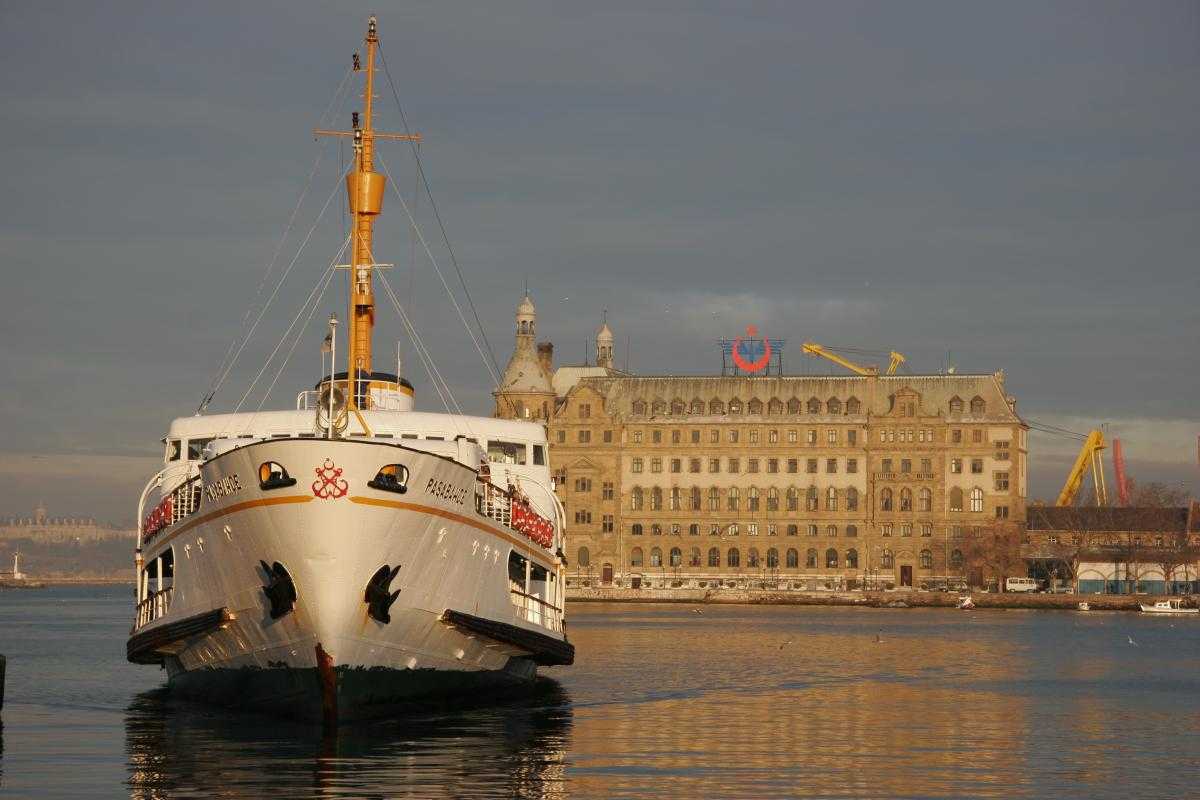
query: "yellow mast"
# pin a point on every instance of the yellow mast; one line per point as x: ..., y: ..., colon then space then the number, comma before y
x: 364, y: 193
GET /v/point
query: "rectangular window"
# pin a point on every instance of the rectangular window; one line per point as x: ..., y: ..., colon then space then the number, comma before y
x: 637, y: 437
x: 1001, y: 512
x: 714, y: 529
x: 585, y: 411
x: 539, y: 455
x: 811, y: 466
x: 887, y: 465
x: 735, y: 465
x: 812, y: 530
x: 583, y: 484
x: 585, y: 437
x: 1001, y: 481
x: 886, y: 529
x: 792, y: 438
x: 751, y: 465
x: 696, y: 437
x: 561, y: 436
x: 812, y: 436
x: 793, y: 530
x: 852, y: 465
x: 606, y: 523
x: 772, y: 437
x: 656, y: 437
x: 852, y: 437
x: 754, y: 436
x: 637, y: 465
x: 772, y: 465
x: 793, y: 465
x: 831, y: 465
x: 772, y: 529
x: 926, y: 529
x: 831, y: 436
x: 606, y: 491
x: 752, y: 529
x: 675, y: 529
x: 977, y: 436
x: 693, y: 465
x: 906, y: 465
x: 714, y: 436
x: 676, y: 465
x: 883, y: 437
x: 733, y: 437
x: 714, y: 465
x: 926, y: 466
x: 956, y: 436
x: 956, y: 466
x: 976, y: 466
x: 676, y: 437
x: 920, y: 436
x: 656, y: 465
x: 608, y: 437
x: 1002, y: 452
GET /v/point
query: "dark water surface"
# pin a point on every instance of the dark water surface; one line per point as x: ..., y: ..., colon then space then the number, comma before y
x: 738, y: 701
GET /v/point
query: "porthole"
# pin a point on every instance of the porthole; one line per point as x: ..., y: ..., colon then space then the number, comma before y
x: 272, y: 475
x: 392, y: 478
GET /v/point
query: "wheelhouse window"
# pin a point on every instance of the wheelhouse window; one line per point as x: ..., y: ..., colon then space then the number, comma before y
x: 195, y: 448
x: 391, y: 478
x: 273, y: 475
x: 174, y: 449
x: 539, y: 455
x: 506, y: 452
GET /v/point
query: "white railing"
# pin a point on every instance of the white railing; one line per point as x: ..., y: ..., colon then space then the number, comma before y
x: 153, y: 607
x: 536, y: 610
x: 494, y: 503
x: 184, y: 500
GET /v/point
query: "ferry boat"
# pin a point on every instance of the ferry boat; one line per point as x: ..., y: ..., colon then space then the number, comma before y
x: 350, y: 557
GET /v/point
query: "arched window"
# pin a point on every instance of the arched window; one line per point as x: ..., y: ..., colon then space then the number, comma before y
x: 772, y: 499
x: 585, y: 558
x: 772, y: 558
x: 831, y: 503
x: 656, y: 499
x: 752, y: 557
x: 735, y: 406
x: 831, y: 530
x: 793, y: 499
x: 733, y: 499
x: 885, y: 500
x: 810, y: 557
x: 639, y: 408
x: 852, y: 499
x: 733, y: 558
x: 635, y: 557
x: 851, y: 530
x: 677, y: 407
x: 694, y: 561
x: 697, y: 406
x: 956, y: 405
x: 925, y: 500
x: 814, y: 405
x: 956, y: 499
x: 793, y: 406
x: 853, y: 406
x: 906, y: 499
x: 888, y: 560
x: 755, y: 406
x: 676, y: 557
x: 656, y: 557
x: 637, y: 499
x: 733, y: 529
x: 714, y: 499
x: 810, y: 499
x: 752, y: 499
x: 831, y: 558
x: 834, y: 405
x: 977, y: 499
x: 694, y: 504
x: 956, y: 559
x: 926, y: 559
x: 716, y: 406
x: 775, y: 406
x: 852, y: 559
x: 636, y: 530
x: 659, y: 407
x: 978, y: 407
x: 714, y: 557
x: 793, y: 558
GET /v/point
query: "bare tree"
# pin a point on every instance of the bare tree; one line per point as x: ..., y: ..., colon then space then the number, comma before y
x: 1157, y: 495
x: 995, y: 551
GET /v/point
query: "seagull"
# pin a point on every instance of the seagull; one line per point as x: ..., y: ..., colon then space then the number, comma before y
x: 1131, y: 641
x: 878, y: 638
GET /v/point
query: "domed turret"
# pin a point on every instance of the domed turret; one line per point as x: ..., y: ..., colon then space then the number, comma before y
x: 604, y: 345
x: 525, y: 391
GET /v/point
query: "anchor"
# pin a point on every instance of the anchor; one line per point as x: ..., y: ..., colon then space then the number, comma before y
x: 378, y: 596
x: 280, y: 589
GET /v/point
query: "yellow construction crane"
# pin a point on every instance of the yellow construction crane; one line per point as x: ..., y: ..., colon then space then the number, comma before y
x: 814, y: 349
x: 1089, y: 455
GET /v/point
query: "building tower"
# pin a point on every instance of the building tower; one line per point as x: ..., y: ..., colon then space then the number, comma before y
x: 525, y: 391
x: 604, y: 345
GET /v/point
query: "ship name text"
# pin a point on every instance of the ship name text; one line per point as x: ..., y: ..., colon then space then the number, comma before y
x: 446, y: 491
x: 228, y: 485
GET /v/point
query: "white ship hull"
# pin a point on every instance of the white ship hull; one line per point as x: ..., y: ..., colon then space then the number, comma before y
x: 458, y: 626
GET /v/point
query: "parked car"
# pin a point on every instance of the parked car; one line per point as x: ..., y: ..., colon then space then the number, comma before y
x: 1020, y: 585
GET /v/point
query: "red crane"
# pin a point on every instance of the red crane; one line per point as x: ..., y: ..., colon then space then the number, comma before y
x: 1118, y: 456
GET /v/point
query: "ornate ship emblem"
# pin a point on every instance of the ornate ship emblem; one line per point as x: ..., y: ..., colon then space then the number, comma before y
x: 329, y: 484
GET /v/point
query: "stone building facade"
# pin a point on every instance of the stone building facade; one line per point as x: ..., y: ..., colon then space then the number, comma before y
x: 42, y: 527
x: 811, y: 481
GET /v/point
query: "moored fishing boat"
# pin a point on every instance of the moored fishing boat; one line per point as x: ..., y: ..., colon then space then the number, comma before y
x: 1172, y: 606
x: 351, y: 556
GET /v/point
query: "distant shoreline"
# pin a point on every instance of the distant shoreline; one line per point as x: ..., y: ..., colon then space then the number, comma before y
x: 887, y: 600
x: 39, y: 582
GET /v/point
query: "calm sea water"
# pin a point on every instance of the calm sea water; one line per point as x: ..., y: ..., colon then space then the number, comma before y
x: 736, y: 701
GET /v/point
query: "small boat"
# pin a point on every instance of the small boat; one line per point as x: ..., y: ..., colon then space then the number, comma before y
x: 1168, y: 607
x: 966, y: 603
x: 1084, y: 607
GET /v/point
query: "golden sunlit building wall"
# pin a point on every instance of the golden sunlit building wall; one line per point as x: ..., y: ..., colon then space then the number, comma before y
x: 792, y: 480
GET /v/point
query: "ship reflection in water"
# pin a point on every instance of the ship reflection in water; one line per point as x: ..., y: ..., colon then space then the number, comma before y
x: 514, y: 749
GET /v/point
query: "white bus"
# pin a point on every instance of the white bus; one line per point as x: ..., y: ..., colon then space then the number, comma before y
x: 1020, y: 585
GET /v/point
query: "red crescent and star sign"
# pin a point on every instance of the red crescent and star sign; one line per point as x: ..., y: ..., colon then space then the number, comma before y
x: 743, y: 361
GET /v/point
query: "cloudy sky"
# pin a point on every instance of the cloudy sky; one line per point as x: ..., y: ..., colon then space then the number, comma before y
x: 1006, y: 186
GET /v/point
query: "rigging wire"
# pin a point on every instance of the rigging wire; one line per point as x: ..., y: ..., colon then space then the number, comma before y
x: 227, y: 364
x: 441, y: 225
